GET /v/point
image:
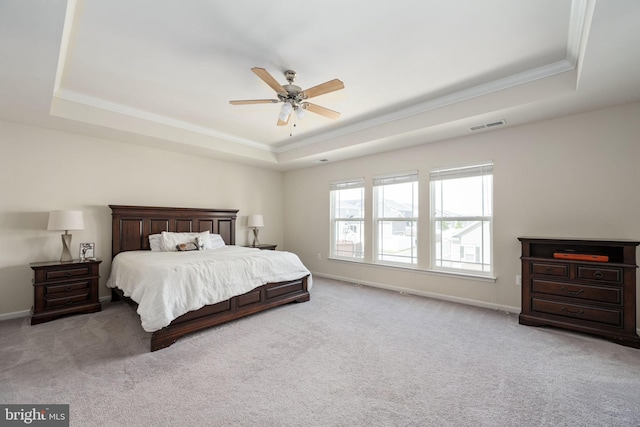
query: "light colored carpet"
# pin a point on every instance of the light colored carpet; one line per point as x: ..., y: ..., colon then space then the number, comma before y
x: 351, y: 356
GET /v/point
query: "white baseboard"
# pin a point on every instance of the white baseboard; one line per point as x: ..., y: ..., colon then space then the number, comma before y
x: 27, y: 313
x: 467, y: 301
x: 15, y: 315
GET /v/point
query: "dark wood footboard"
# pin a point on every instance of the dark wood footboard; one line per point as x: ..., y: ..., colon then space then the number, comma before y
x: 259, y: 299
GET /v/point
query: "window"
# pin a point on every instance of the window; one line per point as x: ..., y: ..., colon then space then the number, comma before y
x: 396, y: 218
x: 461, y: 218
x: 347, y: 219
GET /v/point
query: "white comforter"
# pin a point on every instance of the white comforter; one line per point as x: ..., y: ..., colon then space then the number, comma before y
x: 169, y: 284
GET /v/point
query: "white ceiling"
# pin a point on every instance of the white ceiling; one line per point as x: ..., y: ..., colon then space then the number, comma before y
x: 161, y: 72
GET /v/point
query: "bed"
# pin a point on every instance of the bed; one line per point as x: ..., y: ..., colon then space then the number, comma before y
x: 132, y: 226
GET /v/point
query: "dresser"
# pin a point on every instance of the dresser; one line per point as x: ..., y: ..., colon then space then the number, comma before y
x: 581, y: 285
x: 62, y: 288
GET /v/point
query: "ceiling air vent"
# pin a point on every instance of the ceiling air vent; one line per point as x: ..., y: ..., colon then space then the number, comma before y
x: 489, y: 125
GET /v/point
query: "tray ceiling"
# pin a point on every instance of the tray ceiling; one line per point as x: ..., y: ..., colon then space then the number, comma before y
x: 161, y: 73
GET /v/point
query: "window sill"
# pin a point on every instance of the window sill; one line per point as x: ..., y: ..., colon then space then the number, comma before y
x: 445, y: 273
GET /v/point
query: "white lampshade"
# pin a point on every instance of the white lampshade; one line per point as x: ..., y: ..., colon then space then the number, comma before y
x: 65, y: 220
x: 301, y: 113
x: 255, y: 221
x: 286, y: 108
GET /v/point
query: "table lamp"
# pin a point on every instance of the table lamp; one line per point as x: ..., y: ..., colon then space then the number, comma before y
x: 255, y: 222
x: 66, y: 220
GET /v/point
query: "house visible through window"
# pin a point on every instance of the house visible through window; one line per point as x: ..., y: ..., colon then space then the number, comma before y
x: 396, y: 218
x: 461, y: 218
x: 347, y: 219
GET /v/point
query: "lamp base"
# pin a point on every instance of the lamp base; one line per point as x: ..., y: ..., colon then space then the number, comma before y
x: 255, y: 237
x: 66, y: 244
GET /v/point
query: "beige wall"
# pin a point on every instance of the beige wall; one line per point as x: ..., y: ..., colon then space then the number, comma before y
x: 570, y: 177
x: 43, y: 170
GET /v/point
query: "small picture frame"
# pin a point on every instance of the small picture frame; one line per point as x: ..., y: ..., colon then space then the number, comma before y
x: 87, y: 251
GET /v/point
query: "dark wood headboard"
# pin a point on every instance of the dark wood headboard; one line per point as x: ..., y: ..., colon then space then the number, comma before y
x: 132, y: 225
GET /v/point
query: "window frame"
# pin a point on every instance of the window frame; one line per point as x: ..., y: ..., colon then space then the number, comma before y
x: 335, y: 187
x: 379, y: 182
x: 436, y: 176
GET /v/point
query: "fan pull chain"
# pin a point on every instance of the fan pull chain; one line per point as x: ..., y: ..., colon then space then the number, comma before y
x: 292, y: 124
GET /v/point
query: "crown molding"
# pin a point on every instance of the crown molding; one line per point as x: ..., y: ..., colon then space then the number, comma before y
x: 114, y: 108
x: 104, y: 111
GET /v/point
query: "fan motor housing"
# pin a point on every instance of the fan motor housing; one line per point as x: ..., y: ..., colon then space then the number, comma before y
x: 290, y: 75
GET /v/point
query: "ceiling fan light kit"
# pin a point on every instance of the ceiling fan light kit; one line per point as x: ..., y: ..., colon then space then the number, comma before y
x: 293, y: 97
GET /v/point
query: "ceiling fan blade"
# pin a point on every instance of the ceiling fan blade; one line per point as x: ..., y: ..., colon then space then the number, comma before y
x: 254, y: 101
x: 326, y: 87
x: 321, y: 110
x: 268, y: 79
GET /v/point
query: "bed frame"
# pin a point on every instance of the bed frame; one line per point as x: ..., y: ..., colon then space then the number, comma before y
x: 132, y: 226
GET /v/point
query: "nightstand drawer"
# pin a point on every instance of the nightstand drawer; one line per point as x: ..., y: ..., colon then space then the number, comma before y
x: 575, y: 311
x: 64, y: 300
x: 561, y: 270
x: 66, y: 288
x: 67, y: 273
x: 593, y: 293
x: 604, y: 274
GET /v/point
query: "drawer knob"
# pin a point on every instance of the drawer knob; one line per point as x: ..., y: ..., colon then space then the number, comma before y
x: 578, y: 292
x: 68, y: 302
x: 68, y: 273
x: 598, y: 275
x: 572, y: 313
x: 68, y: 289
x: 549, y: 270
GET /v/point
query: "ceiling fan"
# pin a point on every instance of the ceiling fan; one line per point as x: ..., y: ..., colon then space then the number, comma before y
x: 293, y: 97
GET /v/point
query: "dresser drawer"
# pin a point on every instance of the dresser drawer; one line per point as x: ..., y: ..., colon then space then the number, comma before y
x: 61, y: 300
x: 56, y: 291
x: 611, y: 295
x: 607, y: 316
x: 67, y: 273
x: 613, y: 275
x: 560, y: 270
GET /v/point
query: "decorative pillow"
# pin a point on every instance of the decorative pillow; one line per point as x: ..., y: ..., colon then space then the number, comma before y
x: 155, y: 242
x: 171, y: 240
x: 190, y: 246
x: 200, y: 243
x: 215, y: 241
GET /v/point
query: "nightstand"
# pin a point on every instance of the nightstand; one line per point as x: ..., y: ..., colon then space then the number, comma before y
x: 265, y: 246
x: 62, y: 288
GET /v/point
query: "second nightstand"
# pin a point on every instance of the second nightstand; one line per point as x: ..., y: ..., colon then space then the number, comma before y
x: 62, y: 288
x: 265, y: 246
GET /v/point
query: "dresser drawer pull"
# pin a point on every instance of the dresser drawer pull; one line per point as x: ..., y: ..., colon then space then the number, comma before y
x: 68, y: 302
x: 549, y: 270
x: 598, y: 275
x: 573, y: 313
x: 68, y: 273
x: 68, y: 289
x: 578, y: 292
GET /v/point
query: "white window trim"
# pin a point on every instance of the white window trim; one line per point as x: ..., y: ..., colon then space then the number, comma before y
x: 480, y: 169
x: 344, y: 185
x: 389, y: 179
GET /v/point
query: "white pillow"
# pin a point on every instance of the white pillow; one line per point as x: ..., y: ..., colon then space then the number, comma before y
x: 155, y: 242
x: 215, y: 241
x: 171, y: 240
